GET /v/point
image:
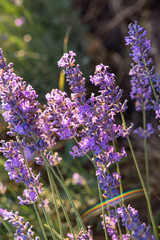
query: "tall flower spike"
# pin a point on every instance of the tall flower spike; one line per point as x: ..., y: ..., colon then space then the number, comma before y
x: 109, y: 183
x: 98, y: 114
x: 142, y: 71
x: 130, y: 219
x: 74, y: 77
x: 58, y: 117
x: 18, y: 101
x: 22, y: 114
x: 24, y: 231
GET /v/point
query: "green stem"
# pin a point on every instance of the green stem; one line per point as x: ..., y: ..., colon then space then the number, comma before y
x: 55, y: 201
x: 38, y: 216
x: 44, y: 212
x: 56, y: 234
x: 118, y: 171
x: 150, y: 80
x: 101, y: 199
x: 6, y: 227
x: 146, y: 154
x: 40, y: 221
x: 146, y: 159
x: 59, y: 172
x: 65, y: 189
x: 142, y: 182
x: 63, y: 207
x: 103, y: 214
x: 100, y: 193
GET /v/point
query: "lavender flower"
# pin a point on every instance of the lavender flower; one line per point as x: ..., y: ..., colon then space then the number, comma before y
x: 19, y: 172
x: 130, y: 219
x: 145, y: 133
x: 142, y: 72
x: 18, y: 101
x: 25, y: 118
x: 74, y: 77
x: 19, y: 21
x: 23, y: 230
x: 109, y: 183
x: 58, y: 117
x: 96, y: 119
x: 53, y: 159
x: 111, y: 225
x: 83, y: 235
x: 78, y: 179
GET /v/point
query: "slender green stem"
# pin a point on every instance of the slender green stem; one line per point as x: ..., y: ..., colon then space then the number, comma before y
x: 57, y: 234
x: 150, y: 80
x: 59, y: 172
x: 118, y: 171
x: 142, y: 182
x: 38, y: 216
x: 55, y: 201
x: 146, y: 154
x: 6, y: 227
x: 44, y: 212
x: 100, y: 195
x: 146, y: 159
x: 40, y: 221
x: 63, y: 207
x: 65, y: 189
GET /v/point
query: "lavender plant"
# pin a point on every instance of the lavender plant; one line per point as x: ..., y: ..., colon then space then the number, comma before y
x: 92, y: 123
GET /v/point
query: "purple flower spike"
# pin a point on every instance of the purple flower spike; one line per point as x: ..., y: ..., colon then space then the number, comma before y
x: 19, y: 172
x: 142, y: 72
x: 18, y: 101
x: 23, y: 230
x: 130, y: 219
x: 109, y: 183
x: 74, y: 77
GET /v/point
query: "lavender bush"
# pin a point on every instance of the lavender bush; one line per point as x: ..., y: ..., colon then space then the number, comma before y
x: 92, y: 123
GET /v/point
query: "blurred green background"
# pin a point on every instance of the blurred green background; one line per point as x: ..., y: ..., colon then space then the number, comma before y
x: 32, y: 35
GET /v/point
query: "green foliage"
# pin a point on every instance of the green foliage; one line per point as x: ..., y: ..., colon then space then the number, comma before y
x: 32, y: 35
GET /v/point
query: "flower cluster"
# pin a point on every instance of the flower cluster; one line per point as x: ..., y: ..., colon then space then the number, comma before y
x: 74, y: 77
x: 26, y: 121
x: 109, y: 183
x: 140, y: 71
x: 83, y: 235
x: 23, y: 230
x: 19, y: 172
x: 130, y: 219
x: 144, y: 80
x: 18, y: 101
x: 93, y: 119
x: 96, y: 114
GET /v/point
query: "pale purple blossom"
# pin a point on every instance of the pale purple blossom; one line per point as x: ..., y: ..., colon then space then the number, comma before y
x: 19, y: 21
